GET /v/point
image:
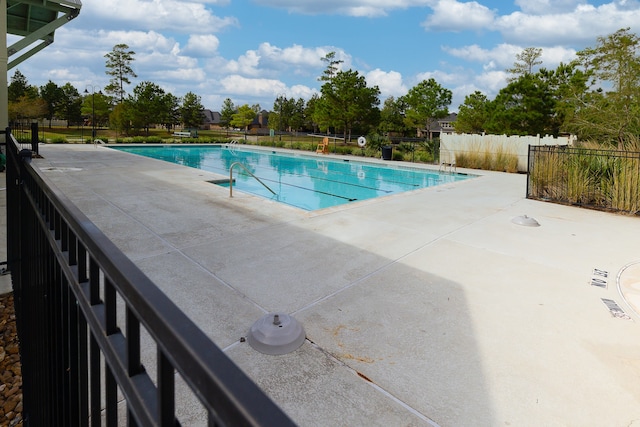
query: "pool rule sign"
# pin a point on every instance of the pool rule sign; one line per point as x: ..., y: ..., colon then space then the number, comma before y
x: 599, y: 278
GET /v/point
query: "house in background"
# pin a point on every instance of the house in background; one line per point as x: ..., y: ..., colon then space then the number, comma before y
x: 439, y: 126
x: 260, y: 124
x: 210, y: 120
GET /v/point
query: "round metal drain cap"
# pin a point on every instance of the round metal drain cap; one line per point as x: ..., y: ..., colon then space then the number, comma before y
x: 526, y: 221
x: 275, y: 334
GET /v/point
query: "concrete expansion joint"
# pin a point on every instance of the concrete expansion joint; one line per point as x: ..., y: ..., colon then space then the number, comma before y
x: 371, y: 383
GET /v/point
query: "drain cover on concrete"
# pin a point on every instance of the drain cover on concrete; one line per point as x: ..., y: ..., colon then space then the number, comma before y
x: 526, y: 221
x: 275, y: 334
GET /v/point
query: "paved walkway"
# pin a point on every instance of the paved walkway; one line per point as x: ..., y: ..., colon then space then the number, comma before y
x: 424, y: 308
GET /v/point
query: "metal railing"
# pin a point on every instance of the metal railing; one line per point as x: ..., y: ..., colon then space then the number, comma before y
x: 599, y: 179
x: 247, y: 171
x: 80, y: 360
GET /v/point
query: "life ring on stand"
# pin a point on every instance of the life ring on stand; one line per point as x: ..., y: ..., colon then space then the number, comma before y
x: 362, y: 141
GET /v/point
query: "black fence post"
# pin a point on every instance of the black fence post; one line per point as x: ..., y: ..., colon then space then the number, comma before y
x: 528, y: 170
x: 34, y: 137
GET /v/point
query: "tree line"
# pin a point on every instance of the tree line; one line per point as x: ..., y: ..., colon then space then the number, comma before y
x: 596, y: 96
x: 148, y: 104
x: 345, y: 104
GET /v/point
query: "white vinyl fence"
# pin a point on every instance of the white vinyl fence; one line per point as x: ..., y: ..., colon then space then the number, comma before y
x: 454, y: 143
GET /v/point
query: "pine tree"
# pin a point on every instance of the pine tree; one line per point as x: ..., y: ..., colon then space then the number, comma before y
x: 119, y: 68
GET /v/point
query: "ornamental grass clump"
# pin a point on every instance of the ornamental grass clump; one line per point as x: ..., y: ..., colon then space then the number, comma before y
x: 547, y: 176
x: 605, y: 179
x: 488, y: 157
x: 624, y: 192
x: 580, y: 188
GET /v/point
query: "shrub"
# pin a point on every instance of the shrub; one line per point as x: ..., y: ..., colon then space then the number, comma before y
x: 59, y: 140
x: 406, y: 147
x: 423, y: 157
x: 397, y: 155
x: 579, y: 186
x: 546, y: 175
x: 375, y: 141
x: 588, y: 177
x: 488, y: 157
x: 624, y: 191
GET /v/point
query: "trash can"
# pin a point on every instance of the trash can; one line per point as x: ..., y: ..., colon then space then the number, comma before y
x: 387, y: 152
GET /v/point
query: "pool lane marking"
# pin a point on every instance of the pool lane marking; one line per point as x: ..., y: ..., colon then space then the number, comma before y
x: 310, y: 189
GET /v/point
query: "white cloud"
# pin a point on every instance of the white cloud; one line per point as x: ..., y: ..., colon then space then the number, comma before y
x: 581, y: 25
x: 138, y: 41
x: 246, y: 64
x: 553, y: 56
x: 451, y: 15
x: 180, y: 16
x: 491, y: 82
x: 157, y: 58
x: 269, y: 61
x: 389, y: 82
x: 500, y: 56
x: 539, y: 23
x: 544, y: 7
x: 239, y: 85
x: 459, y: 93
x: 301, y: 91
x: 356, y: 8
x: 293, y: 55
x: 503, y: 56
x: 442, y: 77
x: 202, y: 45
x: 191, y: 75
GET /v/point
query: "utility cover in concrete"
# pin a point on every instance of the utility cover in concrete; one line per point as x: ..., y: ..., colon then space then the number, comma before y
x: 275, y: 334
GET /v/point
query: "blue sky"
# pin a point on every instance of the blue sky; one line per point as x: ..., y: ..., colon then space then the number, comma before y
x: 252, y: 51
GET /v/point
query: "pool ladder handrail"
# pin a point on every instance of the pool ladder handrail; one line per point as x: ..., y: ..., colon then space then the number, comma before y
x: 249, y: 172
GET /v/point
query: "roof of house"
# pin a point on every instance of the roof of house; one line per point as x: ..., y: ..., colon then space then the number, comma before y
x: 438, y: 125
x: 211, y: 117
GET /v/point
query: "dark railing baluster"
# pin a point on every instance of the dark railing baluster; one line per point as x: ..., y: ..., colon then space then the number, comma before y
x: 94, y: 378
x: 83, y: 370
x: 133, y: 344
x: 82, y: 263
x: 110, y: 305
x: 94, y: 282
x: 73, y: 359
x: 111, y: 398
x: 166, y: 390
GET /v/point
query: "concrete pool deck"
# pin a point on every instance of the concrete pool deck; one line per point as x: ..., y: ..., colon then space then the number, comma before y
x: 426, y: 308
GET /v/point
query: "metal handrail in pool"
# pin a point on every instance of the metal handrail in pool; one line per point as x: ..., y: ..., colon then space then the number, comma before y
x: 249, y: 172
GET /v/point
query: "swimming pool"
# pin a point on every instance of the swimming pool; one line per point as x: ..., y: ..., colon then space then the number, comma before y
x: 304, y: 181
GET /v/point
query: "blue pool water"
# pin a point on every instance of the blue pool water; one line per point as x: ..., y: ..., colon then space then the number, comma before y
x: 307, y: 182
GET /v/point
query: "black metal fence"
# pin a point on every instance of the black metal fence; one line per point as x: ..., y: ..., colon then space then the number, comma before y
x: 80, y: 360
x: 600, y: 179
